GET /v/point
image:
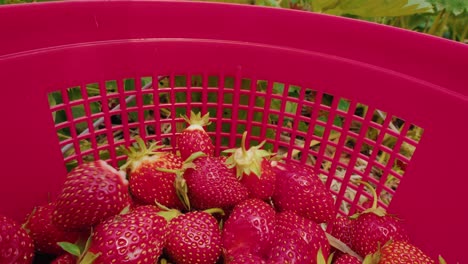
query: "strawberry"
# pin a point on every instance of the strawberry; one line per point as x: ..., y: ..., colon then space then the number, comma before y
x: 16, y: 246
x: 211, y: 184
x: 135, y: 237
x: 347, y: 259
x: 194, y: 138
x: 66, y: 258
x: 249, y: 228
x: 341, y: 229
x: 92, y: 192
x: 396, y: 252
x: 373, y: 227
x: 44, y: 233
x: 300, y: 190
x: 194, y: 237
x: 245, y: 258
x: 147, y: 182
x: 253, y: 169
x: 297, y: 240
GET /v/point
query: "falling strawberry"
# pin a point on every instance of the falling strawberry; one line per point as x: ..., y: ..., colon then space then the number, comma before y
x: 398, y: 252
x: 135, y: 237
x: 195, y: 238
x: 45, y: 234
x: 194, y: 138
x: 253, y: 169
x: 92, y: 192
x: 249, y: 228
x: 373, y: 227
x: 211, y: 184
x: 300, y: 190
x: 297, y: 240
x: 147, y: 182
x: 16, y: 246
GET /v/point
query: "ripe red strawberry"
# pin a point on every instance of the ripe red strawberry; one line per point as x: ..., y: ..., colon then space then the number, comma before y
x: 16, y: 246
x: 347, y: 259
x: 341, y: 229
x: 300, y: 190
x: 66, y: 258
x: 45, y: 234
x: 254, y: 169
x: 92, y: 192
x: 194, y: 237
x: 211, y: 184
x: 398, y: 252
x: 147, y: 182
x: 373, y: 227
x: 249, y: 228
x: 245, y: 258
x: 135, y: 237
x: 194, y: 138
x: 297, y: 240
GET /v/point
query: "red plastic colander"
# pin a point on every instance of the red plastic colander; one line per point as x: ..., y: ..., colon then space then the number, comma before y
x: 353, y: 99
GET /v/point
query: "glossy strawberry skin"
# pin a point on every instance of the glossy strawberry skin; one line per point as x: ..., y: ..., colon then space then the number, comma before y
x: 136, y: 237
x: 245, y: 258
x: 300, y: 190
x: 261, y: 187
x: 65, y: 259
x: 341, y: 229
x: 16, y: 246
x: 400, y: 252
x: 194, y: 140
x: 148, y: 184
x: 194, y: 238
x: 297, y: 240
x: 211, y: 184
x: 92, y: 192
x: 346, y: 259
x: 45, y: 234
x: 249, y: 228
x: 369, y: 230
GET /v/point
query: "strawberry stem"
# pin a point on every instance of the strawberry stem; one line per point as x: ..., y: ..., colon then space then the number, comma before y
x: 372, y: 190
x: 244, y: 136
x: 212, y: 211
x: 194, y: 156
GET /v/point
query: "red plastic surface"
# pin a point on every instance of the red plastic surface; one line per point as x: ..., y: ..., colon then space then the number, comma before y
x: 420, y: 79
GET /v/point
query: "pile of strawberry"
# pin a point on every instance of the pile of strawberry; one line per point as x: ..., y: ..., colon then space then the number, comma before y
x: 197, y: 207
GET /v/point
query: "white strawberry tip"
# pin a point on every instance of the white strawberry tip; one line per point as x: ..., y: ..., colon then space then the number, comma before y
x: 195, y: 127
x: 121, y: 174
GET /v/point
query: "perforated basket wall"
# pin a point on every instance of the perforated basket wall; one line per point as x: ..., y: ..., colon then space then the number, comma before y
x: 369, y: 107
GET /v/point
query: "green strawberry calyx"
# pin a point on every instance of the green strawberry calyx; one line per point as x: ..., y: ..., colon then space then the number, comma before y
x: 321, y: 258
x: 137, y: 155
x: 247, y: 161
x: 374, y: 209
x: 167, y: 213
x: 197, y: 121
x: 180, y: 184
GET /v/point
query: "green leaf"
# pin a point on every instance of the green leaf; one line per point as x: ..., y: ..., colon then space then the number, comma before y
x: 52, y: 102
x: 343, y: 105
x: 322, y: 5
x: 381, y: 8
x: 70, y: 248
x: 456, y: 7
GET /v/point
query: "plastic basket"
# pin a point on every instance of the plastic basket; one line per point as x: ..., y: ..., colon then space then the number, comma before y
x: 309, y: 70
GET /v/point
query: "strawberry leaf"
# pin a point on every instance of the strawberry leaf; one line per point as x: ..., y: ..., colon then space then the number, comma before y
x: 380, y: 8
x: 70, y: 248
